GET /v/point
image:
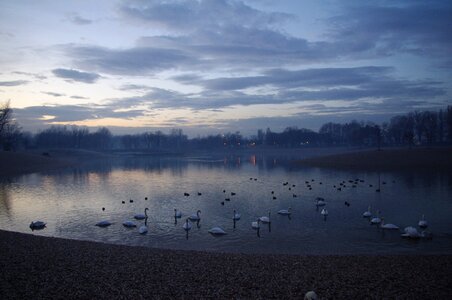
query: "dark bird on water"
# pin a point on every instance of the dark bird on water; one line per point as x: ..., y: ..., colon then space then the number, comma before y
x: 274, y: 198
x: 232, y: 194
x: 145, y: 198
x: 346, y: 203
x: 227, y: 199
x: 186, y: 194
x: 103, y: 208
x: 123, y: 202
x: 199, y: 194
x: 131, y: 201
x: 222, y: 202
x: 294, y: 196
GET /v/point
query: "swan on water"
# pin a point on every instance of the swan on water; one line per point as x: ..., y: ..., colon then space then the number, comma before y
x: 255, y: 224
x: 285, y: 212
x: 144, y: 228
x: 129, y: 224
x: 236, y: 216
x: 103, y: 223
x: 422, y: 222
x: 34, y: 225
x: 376, y: 220
x: 177, y: 214
x: 387, y: 226
x: 367, y: 213
x: 265, y: 219
x: 142, y: 216
x: 195, y: 217
x: 217, y: 231
x: 311, y: 295
x: 411, y: 232
x: 187, y: 225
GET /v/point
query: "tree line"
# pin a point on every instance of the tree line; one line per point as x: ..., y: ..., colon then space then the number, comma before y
x: 411, y: 129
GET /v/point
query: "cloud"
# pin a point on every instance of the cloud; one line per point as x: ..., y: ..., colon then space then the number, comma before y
x: 133, y: 61
x: 34, y: 75
x: 13, y: 83
x: 71, y: 113
x: 74, y: 75
x: 192, y: 15
x: 78, y: 97
x: 54, y: 94
x: 420, y: 28
x: 78, y: 20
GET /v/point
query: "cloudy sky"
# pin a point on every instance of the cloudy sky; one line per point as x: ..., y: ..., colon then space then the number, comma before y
x: 211, y: 66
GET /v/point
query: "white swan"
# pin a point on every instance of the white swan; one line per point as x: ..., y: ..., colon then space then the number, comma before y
x: 387, y: 226
x: 311, y: 295
x: 177, y: 214
x: 367, y: 213
x: 422, y: 222
x: 285, y: 212
x: 187, y: 225
x: 324, y: 212
x: 376, y: 220
x: 129, y: 224
x: 320, y: 201
x: 103, y: 223
x: 236, y: 216
x: 255, y: 224
x: 143, y: 229
x: 265, y: 219
x: 217, y: 231
x: 37, y: 225
x: 195, y: 217
x: 142, y: 216
x: 411, y: 232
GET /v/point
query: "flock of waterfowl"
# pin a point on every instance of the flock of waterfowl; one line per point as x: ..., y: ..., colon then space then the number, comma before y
x: 409, y: 232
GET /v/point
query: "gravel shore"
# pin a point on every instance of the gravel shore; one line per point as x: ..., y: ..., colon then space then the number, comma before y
x: 42, y: 267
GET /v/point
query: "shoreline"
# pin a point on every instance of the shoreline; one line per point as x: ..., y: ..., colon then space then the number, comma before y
x: 37, y: 266
x: 387, y: 159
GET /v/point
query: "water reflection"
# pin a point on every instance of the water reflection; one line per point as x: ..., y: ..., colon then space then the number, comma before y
x: 71, y: 202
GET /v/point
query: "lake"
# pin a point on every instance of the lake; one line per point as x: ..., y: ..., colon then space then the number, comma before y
x: 71, y: 201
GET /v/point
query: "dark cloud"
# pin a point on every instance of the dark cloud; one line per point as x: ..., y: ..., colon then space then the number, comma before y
x: 78, y: 97
x: 133, y: 61
x: 192, y: 15
x: 74, y: 75
x: 13, y: 82
x: 421, y: 28
x: 78, y: 20
x: 54, y: 94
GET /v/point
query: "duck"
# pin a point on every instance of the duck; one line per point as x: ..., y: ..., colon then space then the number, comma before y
x: 187, y: 225
x: 324, y: 212
x: 387, y: 226
x: 129, y: 224
x: 177, y: 214
x: 367, y: 213
x: 285, y: 212
x: 142, y: 216
x: 422, y: 222
x: 195, y: 217
x: 265, y: 219
x: 320, y: 201
x: 217, y: 231
x: 236, y: 216
x: 255, y: 224
x: 36, y: 225
x: 103, y: 223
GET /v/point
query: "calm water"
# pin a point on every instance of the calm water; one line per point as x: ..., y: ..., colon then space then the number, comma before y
x: 71, y: 203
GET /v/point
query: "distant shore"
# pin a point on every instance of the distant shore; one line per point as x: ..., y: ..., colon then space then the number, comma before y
x: 386, y: 159
x: 42, y: 267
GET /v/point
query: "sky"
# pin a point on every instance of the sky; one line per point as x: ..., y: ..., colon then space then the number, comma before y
x: 216, y: 66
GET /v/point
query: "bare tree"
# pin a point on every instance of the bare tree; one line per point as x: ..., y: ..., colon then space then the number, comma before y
x: 5, y: 117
